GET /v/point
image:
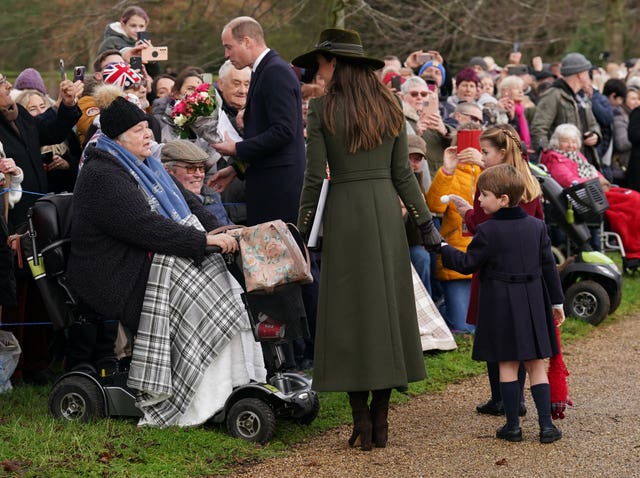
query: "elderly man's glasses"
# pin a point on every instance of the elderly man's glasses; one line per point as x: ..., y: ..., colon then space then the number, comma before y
x: 415, y: 94
x: 191, y: 168
x: 3, y: 80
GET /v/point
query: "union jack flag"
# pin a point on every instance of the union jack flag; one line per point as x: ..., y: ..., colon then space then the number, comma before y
x: 120, y: 74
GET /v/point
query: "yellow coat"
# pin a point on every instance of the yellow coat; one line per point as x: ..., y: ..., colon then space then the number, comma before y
x: 463, y: 183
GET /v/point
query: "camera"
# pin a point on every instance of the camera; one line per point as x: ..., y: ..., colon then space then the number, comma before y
x: 78, y: 73
x: 156, y: 53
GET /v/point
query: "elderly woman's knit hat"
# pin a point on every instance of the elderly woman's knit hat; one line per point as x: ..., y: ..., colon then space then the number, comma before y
x: 30, y: 79
x: 437, y: 65
x: 120, y: 116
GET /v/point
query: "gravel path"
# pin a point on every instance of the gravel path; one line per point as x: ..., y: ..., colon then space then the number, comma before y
x: 441, y: 435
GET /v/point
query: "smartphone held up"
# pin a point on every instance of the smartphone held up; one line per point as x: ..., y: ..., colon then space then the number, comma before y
x: 78, y: 73
x: 63, y: 74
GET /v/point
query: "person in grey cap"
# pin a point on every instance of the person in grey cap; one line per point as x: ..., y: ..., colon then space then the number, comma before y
x: 138, y: 255
x: 562, y: 104
x: 186, y: 162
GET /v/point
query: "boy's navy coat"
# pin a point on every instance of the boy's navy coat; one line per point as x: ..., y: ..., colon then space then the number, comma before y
x: 519, y: 283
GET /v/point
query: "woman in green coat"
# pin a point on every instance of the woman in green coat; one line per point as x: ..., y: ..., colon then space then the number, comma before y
x: 367, y: 337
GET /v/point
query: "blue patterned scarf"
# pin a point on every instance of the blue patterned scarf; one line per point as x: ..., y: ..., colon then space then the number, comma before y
x: 163, y: 194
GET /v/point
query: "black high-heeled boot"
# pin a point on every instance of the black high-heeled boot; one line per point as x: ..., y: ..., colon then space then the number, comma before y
x: 379, y: 409
x: 362, y: 427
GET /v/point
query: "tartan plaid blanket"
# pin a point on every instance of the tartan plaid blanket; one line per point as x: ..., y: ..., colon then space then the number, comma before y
x: 190, y: 314
x: 434, y: 333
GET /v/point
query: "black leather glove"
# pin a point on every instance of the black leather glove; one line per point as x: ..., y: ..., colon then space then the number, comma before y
x: 431, y: 237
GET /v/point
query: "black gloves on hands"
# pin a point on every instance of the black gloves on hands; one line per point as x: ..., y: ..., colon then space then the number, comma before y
x: 431, y: 237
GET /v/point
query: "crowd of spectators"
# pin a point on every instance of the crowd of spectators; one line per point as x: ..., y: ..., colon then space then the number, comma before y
x: 45, y: 138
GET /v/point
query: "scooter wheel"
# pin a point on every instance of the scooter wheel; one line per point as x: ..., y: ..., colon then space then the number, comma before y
x: 251, y: 419
x: 76, y: 398
x: 587, y: 300
x: 313, y: 413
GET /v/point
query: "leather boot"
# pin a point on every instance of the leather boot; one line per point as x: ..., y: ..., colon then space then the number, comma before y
x: 379, y: 410
x: 361, y: 420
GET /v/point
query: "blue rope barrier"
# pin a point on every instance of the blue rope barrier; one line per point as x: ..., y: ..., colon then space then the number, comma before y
x: 24, y: 191
x: 17, y: 324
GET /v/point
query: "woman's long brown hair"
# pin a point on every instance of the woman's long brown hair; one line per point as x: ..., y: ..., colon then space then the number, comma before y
x: 371, y: 110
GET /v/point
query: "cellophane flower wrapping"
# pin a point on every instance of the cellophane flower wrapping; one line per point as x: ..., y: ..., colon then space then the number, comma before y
x: 198, y: 112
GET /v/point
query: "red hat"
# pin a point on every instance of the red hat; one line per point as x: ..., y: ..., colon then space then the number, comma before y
x: 389, y: 76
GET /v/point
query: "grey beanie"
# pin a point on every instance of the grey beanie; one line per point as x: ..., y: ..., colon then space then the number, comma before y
x: 573, y: 64
x: 477, y: 60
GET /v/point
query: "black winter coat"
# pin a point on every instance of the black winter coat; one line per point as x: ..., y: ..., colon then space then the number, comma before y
x: 25, y: 151
x: 114, y: 233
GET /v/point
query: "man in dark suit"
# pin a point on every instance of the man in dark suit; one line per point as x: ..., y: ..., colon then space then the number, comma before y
x: 272, y: 155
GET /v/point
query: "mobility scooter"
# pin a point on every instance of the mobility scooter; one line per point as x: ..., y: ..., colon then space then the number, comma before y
x: 95, y: 390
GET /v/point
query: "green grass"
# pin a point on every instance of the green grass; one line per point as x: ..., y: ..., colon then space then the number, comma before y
x: 34, y: 444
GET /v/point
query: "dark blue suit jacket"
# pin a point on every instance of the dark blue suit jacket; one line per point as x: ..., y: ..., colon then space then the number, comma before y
x: 274, y: 143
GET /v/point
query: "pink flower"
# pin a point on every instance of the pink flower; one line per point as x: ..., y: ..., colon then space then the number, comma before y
x: 178, y: 108
x: 202, y: 87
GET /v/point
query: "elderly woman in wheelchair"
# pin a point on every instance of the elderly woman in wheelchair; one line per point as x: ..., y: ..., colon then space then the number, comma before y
x: 138, y: 243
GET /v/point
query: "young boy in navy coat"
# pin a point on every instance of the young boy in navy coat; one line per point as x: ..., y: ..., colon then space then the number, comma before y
x: 520, y: 296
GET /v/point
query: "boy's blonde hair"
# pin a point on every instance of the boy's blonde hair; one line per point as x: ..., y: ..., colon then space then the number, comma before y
x: 503, y: 179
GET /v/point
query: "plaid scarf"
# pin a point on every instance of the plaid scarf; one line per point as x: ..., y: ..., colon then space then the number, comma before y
x: 585, y: 170
x: 163, y: 194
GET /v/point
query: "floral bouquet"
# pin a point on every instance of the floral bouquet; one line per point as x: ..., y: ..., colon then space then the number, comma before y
x: 198, y: 112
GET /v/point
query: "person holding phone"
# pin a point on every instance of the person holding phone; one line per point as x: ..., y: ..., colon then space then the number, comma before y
x: 124, y: 33
x: 22, y: 135
x: 129, y: 36
x: 458, y: 175
x: 60, y: 160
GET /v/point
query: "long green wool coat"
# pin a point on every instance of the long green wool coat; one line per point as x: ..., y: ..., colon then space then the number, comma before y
x: 367, y: 335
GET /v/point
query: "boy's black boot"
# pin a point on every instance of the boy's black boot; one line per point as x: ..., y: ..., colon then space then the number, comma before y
x: 542, y: 398
x: 511, y: 431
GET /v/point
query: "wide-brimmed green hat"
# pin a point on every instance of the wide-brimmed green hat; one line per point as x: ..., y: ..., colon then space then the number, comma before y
x: 344, y: 44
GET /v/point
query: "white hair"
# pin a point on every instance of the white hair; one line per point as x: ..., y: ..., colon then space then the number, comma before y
x: 412, y: 82
x: 565, y: 131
